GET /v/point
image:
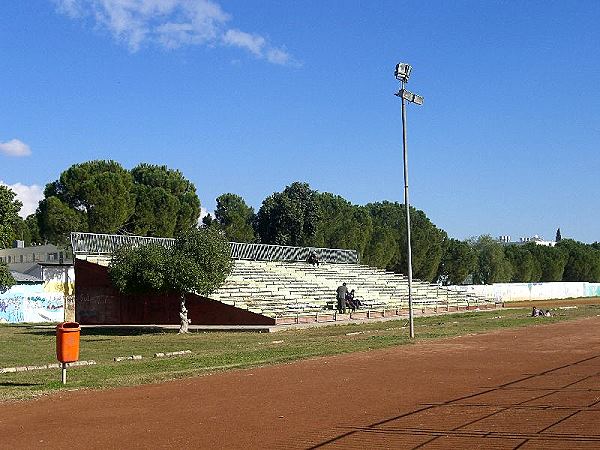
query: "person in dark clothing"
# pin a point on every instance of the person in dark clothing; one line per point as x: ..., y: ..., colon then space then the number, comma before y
x: 341, y: 298
x: 354, y: 301
x: 350, y: 300
x: 313, y: 259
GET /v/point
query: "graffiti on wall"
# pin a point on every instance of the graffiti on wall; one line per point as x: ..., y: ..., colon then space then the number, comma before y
x: 592, y: 290
x: 30, y: 303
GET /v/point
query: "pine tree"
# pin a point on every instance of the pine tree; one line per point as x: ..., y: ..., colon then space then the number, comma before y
x: 558, y: 236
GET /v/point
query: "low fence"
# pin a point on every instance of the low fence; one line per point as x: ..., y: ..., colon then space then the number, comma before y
x: 106, y: 244
x: 265, y: 252
x: 91, y: 244
x: 506, y: 292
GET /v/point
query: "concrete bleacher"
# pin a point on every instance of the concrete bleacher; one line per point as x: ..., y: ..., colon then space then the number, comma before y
x: 274, y: 280
x: 283, y: 289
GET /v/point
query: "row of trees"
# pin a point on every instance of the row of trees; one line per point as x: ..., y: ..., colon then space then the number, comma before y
x: 301, y: 216
x: 103, y: 197
x: 485, y: 261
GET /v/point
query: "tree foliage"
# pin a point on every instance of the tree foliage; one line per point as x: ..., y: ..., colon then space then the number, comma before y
x: 102, y: 190
x: 9, y: 216
x: 387, y: 247
x: 199, y: 261
x: 525, y: 268
x: 582, y: 261
x: 103, y: 197
x: 550, y: 262
x: 6, y: 278
x: 202, y: 261
x: 141, y: 269
x: 383, y: 249
x: 492, y: 266
x: 235, y: 218
x: 166, y: 203
x: 341, y: 224
x: 290, y: 217
x: 57, y: 220
x: 427, y: 243
x: 28, y: 230
x: 208, y: 221
x: 459, y: 261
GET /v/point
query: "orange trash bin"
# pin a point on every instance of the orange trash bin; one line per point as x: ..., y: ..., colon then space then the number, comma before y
x: 67, y: 342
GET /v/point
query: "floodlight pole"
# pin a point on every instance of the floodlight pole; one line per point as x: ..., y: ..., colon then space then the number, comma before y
x: 402, y: 73
x: 407, y: 209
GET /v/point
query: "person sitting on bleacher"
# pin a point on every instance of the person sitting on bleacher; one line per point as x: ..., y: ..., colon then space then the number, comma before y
x: 351, y: 302
x: 355, y: 301
x: 348, y: 301
x: 313, y: 259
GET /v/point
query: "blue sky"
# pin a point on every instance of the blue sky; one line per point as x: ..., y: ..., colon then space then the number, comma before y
x: 247, y: 97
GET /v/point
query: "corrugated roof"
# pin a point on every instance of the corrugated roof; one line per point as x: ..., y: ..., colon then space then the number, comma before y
x: 24, y: 278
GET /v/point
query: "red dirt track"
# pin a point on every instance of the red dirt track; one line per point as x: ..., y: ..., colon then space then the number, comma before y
x: 533, y: 388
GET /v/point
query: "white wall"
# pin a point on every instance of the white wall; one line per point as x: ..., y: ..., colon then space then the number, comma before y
x: 507, y: 292
x: 30, y: 303
x: 51, y: 301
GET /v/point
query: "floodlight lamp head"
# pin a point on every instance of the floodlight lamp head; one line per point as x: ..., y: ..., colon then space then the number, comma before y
x: 402, y: 72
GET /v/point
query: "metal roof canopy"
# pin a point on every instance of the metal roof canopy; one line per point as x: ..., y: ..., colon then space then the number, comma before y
x: 91, y: 244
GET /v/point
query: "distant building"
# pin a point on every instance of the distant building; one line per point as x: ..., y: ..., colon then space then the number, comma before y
x: 29, y: 260
x: 506, y: 240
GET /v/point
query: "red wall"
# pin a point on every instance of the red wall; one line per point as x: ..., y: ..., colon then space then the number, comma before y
x: 98, y: 302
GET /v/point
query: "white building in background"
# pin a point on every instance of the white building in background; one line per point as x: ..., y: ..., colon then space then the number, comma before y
x: 506, y: 240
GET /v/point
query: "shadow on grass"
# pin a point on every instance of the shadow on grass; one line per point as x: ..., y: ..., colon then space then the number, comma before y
x: 12, y: 383
x: 41, y: 332
x: 108, y: 331
x: 118, y: 331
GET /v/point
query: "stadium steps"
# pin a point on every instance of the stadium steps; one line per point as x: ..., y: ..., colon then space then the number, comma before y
x: 280, y: 289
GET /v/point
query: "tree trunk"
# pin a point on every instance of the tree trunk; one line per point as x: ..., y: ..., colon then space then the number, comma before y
x: 183, y: 314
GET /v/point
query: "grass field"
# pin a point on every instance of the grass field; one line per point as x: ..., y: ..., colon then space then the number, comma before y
x: 24, y: 345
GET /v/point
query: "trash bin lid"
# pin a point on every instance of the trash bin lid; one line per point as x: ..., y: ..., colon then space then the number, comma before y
x: 72, y: 326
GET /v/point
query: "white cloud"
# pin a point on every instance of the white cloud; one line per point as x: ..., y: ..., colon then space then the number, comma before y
x: 69, y: 7
x: 278, y: 56
x: 15, y: 147
x: 170, y: 24
x: 251, y: 42
x: 204, y: 212
x: 30, y: 196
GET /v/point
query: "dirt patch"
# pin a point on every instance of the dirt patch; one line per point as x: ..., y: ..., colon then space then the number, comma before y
x: 533, y: 387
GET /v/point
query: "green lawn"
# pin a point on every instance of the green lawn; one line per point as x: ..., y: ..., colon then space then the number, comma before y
x: 24, y: 345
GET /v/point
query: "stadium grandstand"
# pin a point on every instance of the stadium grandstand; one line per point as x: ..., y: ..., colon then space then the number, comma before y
x: 269, y: 284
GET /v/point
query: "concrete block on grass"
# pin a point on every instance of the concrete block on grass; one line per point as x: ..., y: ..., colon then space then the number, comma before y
x: 126, y: 358
x: 165, y: 354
